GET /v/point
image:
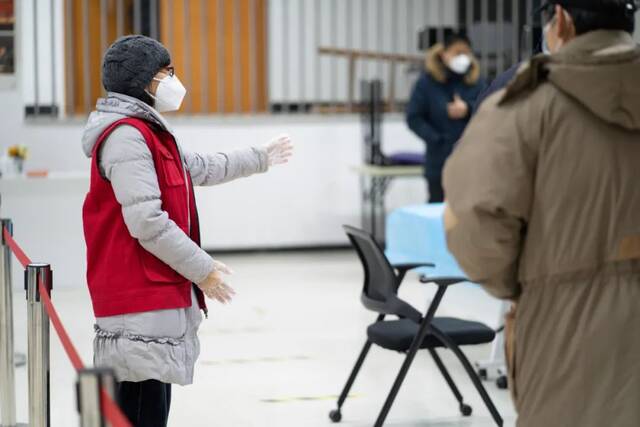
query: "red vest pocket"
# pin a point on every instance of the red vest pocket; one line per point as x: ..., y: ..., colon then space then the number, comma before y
x: 171, y: 167
x: 156, y: 270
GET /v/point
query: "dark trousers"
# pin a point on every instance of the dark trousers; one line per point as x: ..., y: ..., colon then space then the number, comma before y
x: 436, y: 192
x: 145, y: 403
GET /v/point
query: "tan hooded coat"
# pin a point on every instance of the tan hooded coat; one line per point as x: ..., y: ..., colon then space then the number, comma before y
x: 544, y: 198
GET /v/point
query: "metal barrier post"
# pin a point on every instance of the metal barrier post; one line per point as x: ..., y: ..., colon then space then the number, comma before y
x: 7, y: 386
x: 38, y: 339
x: 88, y: 391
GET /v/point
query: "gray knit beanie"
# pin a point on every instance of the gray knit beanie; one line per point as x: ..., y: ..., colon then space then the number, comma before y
x: 130, y: 64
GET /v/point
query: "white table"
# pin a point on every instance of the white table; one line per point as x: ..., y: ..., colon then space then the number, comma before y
x: 374, y: 182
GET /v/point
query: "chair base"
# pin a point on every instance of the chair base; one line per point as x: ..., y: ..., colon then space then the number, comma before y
x: 465, y: 410
x: 502, y: 382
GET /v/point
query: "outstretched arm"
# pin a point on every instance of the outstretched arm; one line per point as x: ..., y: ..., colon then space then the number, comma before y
x: 218, y: 168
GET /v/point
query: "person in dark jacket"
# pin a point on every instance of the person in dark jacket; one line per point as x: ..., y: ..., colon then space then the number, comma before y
x: 441, y: 104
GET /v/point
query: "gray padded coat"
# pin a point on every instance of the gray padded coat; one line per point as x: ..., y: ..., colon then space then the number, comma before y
x: 162, y: 344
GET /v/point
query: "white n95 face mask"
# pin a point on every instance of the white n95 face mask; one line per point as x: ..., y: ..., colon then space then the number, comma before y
x: 169, y: 94
x: 460, y: 64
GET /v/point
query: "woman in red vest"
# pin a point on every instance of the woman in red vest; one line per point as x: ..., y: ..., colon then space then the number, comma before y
x: 146, y: 272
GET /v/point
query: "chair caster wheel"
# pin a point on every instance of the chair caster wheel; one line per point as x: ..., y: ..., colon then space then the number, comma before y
x: 482, y: 373
x: 335, y: 415
x: 502, y: 382
x: 465, y: 409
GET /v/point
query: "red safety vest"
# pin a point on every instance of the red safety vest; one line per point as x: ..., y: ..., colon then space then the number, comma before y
x: 122, y: 276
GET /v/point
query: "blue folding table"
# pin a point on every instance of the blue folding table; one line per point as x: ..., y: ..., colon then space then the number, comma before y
x: 416, y: 234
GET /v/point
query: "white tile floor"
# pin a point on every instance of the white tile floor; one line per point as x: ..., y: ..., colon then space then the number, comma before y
x: 279, y: 354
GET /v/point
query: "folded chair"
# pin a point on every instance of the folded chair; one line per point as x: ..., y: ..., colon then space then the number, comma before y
x: 411, y: 331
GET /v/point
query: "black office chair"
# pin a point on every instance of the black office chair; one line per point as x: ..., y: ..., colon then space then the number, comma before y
x: 411, y: 331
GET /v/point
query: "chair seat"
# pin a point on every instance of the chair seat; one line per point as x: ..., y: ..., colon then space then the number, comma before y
x: 398, y: 334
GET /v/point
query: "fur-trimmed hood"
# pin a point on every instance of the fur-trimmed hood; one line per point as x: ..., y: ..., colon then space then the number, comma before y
x: 436, y: 68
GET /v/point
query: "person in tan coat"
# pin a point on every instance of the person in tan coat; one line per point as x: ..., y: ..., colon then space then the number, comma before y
x: 543, y: 209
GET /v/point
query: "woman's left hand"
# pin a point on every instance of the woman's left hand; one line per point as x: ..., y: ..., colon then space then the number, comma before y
x: 214, y: 287
x: 279, y: 150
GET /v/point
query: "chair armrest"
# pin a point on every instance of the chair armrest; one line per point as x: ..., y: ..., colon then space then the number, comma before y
x: 443, y: 280
x: 403, y: 267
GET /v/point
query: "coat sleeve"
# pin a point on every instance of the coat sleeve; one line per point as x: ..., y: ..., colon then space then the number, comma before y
x: 218, y: 168
x: 418, y: 113
x: 127, y: 163
x: 489, y: 183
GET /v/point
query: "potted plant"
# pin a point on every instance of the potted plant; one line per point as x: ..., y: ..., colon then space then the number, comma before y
x: 13, y: 162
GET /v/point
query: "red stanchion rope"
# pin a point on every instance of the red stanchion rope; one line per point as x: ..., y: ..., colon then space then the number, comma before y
x: 72, y: 353
x: 110, y: 409
x: 17, y: 251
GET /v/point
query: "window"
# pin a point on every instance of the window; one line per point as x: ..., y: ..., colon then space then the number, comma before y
x: 7, y: 25
x: 217, y: 47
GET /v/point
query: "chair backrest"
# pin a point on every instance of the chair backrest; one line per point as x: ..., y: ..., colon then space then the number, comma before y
x: 380, y: 289
x: 380, y: 281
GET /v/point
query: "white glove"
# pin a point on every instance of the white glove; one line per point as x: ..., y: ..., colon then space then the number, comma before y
x: 217, y: 265
x: 214, y: 286
x: 279, y: 150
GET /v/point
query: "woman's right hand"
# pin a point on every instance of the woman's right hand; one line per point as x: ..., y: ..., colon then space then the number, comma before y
x: 458, y: 109
x: 214, y: 287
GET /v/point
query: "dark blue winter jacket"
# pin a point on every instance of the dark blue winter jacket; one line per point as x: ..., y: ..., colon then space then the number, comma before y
x: 427, y: 113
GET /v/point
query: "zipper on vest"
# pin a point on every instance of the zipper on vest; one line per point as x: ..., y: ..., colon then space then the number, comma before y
x: 186, y: 182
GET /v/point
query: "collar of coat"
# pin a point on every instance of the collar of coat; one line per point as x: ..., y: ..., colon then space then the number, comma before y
x: 593, y: 48
x: 436, y: 68
x: 131, y: 107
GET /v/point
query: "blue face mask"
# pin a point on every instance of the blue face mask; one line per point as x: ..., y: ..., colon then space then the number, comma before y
x: 545, y: 45
x: 548, y: 17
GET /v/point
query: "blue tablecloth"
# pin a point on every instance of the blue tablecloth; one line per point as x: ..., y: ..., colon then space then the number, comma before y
x: 416, y: 234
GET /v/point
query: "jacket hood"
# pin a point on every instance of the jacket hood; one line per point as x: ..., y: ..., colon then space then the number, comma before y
x: 114, y: 107
x: 601, y: 70
x: 437, y: 70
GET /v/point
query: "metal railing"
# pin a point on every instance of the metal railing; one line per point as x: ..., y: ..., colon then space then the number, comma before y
x: 95, y: 387
x: 251, y: 56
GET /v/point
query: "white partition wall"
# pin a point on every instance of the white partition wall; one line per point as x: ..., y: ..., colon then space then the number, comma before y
x: 297, y: 28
